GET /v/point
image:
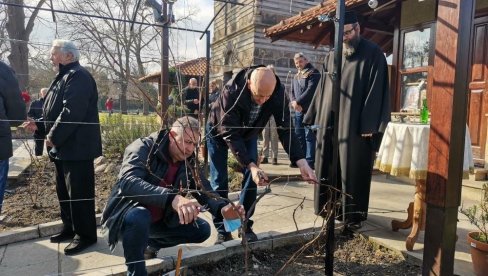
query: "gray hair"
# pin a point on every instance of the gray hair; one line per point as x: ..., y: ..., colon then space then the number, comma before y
x: 44, y: 90
x: 300, y: 55
x: 184, y: 123
x: 67, y: 46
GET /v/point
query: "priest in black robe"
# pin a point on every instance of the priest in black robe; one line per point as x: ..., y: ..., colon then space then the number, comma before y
x: 363, y: 116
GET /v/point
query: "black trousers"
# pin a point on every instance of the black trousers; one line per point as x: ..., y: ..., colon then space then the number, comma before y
x: 39, y: 146
x: 75, y: 186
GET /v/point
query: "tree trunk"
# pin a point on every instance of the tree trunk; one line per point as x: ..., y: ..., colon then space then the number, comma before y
x: 123, y: 97
x: 19, y: 33
x: 19, y: 52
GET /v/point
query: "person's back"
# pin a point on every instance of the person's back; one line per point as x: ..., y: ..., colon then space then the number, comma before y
x: 12, y: 108
x: 12, y: 113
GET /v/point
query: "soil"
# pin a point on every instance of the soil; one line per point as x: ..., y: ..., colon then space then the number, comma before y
x: 354, y: 256
x: 33, y: 199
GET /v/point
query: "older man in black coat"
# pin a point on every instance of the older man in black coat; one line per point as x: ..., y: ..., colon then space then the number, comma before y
x: 71, y: 124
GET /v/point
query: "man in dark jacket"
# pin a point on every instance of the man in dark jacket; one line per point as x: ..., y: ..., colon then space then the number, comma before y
x: 72, y: 128
x: 237, y: 117
x: 303, y: 88
x: 191, y: 98
x: 35, y: 113
x: 148, y: 208
x: 12, y: 113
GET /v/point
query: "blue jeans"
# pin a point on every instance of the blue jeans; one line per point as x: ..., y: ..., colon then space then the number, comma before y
x: 306, y: 138
x: 218, y: 155
x: 138, y: 232
x: 3, y: 180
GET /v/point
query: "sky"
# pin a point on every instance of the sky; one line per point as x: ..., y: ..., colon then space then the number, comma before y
x: 185, y: 45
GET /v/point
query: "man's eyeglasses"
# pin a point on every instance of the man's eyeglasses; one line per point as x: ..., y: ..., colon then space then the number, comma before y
x: 348, y: 32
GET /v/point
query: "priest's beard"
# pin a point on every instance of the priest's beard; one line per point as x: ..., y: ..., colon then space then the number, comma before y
x: 349, y: 47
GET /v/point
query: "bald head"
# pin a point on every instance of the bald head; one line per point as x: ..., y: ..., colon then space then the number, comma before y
x: 262, y: 84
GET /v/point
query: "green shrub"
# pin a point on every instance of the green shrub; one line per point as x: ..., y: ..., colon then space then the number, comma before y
x: 478, y: 215
x: 118, y: 131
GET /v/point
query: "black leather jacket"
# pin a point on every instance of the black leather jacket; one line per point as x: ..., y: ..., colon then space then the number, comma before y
x: 144, y: 165
x: 230, y: 113
x: 70, y: 113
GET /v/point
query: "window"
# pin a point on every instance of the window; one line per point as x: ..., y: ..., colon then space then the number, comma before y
x: 415, y: 59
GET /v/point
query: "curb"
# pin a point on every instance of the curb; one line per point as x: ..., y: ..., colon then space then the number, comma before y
x: 267, y: 241
x: 35, y: 232
x: 50, y: 228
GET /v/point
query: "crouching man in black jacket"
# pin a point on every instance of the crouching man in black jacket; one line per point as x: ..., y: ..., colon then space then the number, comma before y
x: 149, y: 206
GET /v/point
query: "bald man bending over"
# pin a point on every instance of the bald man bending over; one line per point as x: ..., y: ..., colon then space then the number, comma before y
x: 237, y: 117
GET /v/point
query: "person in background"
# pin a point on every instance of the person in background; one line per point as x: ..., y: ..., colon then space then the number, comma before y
x: 12, y: 113
x: 191, y: 97
x: 270, y: 137
x: 35, y: 113
x: 109, y: 105
x: 303, y: 88
x: 214, y: 93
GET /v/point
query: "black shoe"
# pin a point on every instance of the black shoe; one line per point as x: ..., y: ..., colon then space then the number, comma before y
x: 150, y: 253
x: 223, y: 237
x: 275, y: 161
x: 354, y: 226
x: 293, y: 165
x: 78, y: 245
x: 265, y: 160
x: 63, y: 236
x: 251, y: 236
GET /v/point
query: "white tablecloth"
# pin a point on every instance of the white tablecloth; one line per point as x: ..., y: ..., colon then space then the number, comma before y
x: 404, y: 151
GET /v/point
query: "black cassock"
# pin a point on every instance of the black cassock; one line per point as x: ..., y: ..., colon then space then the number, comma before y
x: 364, y: 109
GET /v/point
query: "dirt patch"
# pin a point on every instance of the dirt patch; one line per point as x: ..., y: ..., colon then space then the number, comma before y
x: 354, y: 256
x: 34, y: 199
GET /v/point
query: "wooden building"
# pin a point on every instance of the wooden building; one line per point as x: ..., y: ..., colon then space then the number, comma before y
x: 405, y: 30
x: 239, y: 41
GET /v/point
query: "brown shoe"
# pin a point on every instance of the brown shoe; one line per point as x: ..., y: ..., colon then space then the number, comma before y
x: 275, y: 161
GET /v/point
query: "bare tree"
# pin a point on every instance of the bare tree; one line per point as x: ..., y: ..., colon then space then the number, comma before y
x: 19, y: 33
x: 3, y: 32
x: 111, y: 44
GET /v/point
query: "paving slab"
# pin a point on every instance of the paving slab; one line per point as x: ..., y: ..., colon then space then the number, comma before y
x: 30, y: 258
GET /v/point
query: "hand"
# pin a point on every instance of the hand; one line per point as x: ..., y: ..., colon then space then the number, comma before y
x: 187, y: 209
x: 298, y: 108
x: 49, y: 143
x: 258, y: 175
x: 196, y: 101
x: 367, y: 135
x: 293, y: 104
x: 307, y: 172
x: 230, y: 212
x: 29, y: 125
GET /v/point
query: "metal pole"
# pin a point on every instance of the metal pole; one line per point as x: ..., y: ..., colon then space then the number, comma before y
x: 207, y: 88
x: 336, y: 90
x: 164, y: 66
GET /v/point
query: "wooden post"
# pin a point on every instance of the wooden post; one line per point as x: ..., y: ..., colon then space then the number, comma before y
x: 447, y: 133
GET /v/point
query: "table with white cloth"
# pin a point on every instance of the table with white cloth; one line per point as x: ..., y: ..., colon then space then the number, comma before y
x: 404, y: 152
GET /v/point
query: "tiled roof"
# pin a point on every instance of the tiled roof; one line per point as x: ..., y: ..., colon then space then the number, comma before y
x: 307, y: 17
x: 194, y: 67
